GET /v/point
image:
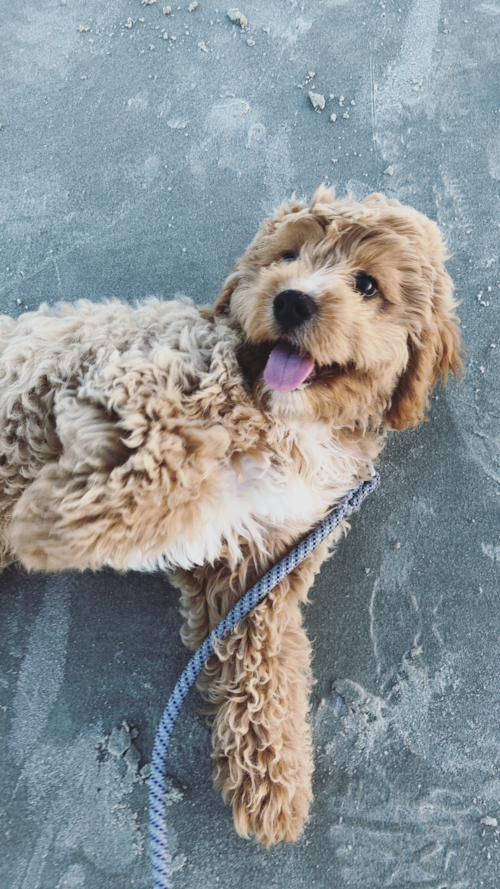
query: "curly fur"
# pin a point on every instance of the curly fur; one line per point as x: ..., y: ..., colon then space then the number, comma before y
x: 146, y: 437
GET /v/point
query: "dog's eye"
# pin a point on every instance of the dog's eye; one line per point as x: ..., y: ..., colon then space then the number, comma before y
x: 366, y: 285
x: 290, y: 256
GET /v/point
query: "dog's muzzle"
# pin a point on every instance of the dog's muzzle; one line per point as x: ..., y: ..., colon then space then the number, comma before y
x: 292, y: 308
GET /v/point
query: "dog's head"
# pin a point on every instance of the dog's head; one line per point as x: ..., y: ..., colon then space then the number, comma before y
x: 346, y: 312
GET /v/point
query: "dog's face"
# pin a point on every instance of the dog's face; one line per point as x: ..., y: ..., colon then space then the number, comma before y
x: 346, y: 311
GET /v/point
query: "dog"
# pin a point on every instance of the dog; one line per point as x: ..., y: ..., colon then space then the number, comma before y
x: 208, y: 441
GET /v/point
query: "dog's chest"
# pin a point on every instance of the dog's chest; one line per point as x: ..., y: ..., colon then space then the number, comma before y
x: 255, y: 498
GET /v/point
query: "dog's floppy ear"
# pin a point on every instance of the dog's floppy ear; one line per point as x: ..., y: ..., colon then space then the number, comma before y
x: 221, y: 305
x: 434, y: 352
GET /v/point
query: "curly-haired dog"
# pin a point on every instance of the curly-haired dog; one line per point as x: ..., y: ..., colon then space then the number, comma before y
x: 208, y: 441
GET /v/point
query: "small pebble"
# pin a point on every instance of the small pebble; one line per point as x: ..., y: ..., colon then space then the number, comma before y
x: 489, y: 821
x: 237, y: 18
x: 132, y: 758
x: 317, y: 101
x: 119, y: 741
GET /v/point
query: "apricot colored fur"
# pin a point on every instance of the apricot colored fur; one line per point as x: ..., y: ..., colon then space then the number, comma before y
x: 147, y: 437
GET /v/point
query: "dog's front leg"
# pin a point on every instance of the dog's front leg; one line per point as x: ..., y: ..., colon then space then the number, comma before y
x: 259, y: 683
x: 82, y: 511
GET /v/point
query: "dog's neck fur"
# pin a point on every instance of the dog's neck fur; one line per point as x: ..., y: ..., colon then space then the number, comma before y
x: 258, y: 498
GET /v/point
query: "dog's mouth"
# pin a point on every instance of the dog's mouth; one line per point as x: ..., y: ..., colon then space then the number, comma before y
x: 282, y: 365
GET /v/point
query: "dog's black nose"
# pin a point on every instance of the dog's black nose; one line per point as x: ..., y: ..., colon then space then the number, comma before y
x: 292, y: 307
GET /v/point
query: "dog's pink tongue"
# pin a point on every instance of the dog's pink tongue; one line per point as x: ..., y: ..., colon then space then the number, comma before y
x: 286, y: 369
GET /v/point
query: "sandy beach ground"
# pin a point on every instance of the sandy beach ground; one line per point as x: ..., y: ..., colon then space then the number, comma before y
x: 139, y: 151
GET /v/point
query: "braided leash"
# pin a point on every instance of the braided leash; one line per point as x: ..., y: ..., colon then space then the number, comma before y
x: 160, y: 857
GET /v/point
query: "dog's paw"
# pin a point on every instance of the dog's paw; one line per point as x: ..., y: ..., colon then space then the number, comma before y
x: 269, y: 789
x: 50, y: 528
x: 273, y: 811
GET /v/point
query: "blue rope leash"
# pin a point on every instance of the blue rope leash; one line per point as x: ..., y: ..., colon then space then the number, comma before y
x: 160, y: 857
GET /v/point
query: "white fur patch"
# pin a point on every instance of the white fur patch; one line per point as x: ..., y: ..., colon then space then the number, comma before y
x: 255, y: 498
